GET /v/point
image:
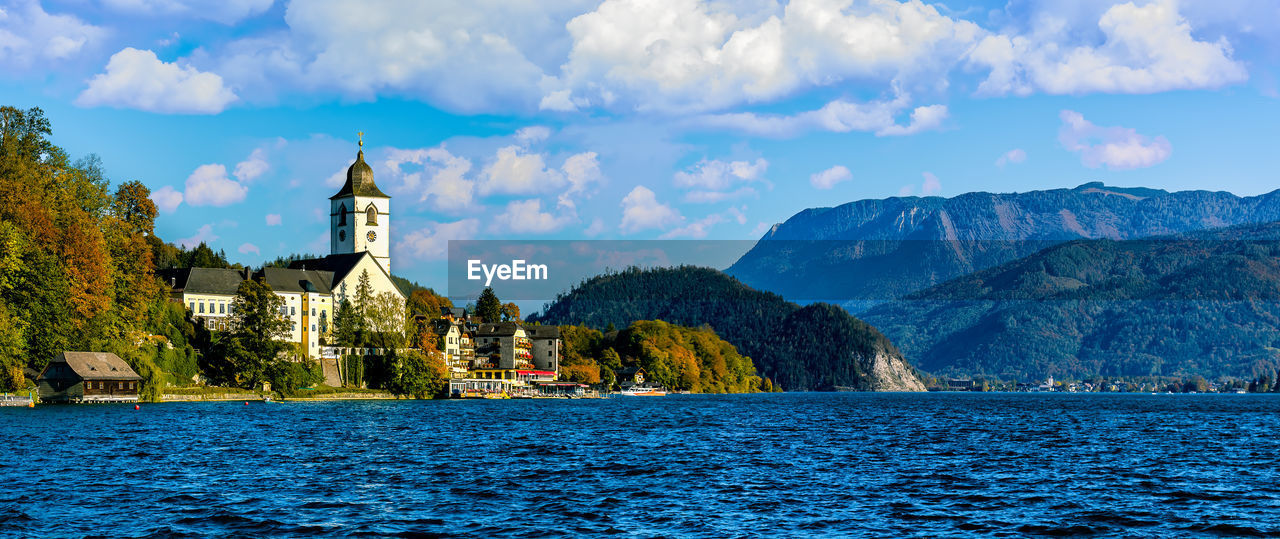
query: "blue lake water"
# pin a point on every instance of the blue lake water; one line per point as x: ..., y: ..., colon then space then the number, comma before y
x: 841, y: 464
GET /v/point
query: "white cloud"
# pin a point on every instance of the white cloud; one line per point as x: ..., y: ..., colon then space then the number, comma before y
x: 1145, y: 49
x: 527, y: 217
x: 557, y: 100
x: 581, y: 170
x: 931, y: 185
x: 432, y: 242
x: 532, y: 134
x: 459, y: 55
x: 515, y: 171
x: 223, y: 11
x: 738, y: 214
x: 203, y: 235
x: 246, y: 248
x: 274, y: 219
x: 31, y: 38
x: 925, y: 118
x: 641, y: 211
x: 1117, y: 148
x: 442, y: 183
x: 597, y: 228
x: 830, y: 177
x: 167, y: 198
x: 760, y: 229
x: 838, y: 116
x: 253, y: 167
x: 718, y: 175
x: 711, y: 197
x: 697, y: 229
x: 209, y: 186
x: 713, y: 180
x: 138, y: 79
x: 686, y: 55
x: 1016, y: 155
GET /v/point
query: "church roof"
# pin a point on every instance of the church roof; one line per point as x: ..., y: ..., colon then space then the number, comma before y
x: 203, y: 280
x: 298, y: 280
x: 359, y: 181
x: 340, y: 265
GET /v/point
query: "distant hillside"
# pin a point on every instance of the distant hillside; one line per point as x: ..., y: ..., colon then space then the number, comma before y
x: 874, y: 250
x: 813, y: 348
x: 1200, y: 303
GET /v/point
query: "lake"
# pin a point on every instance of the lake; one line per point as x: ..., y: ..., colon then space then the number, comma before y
x: 835, y: 464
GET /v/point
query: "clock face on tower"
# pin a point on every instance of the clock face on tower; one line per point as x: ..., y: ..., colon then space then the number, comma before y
x: 342, y: 235
x: 371, y: 236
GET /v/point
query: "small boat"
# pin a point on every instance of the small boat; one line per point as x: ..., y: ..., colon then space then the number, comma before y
x: 637, y: 391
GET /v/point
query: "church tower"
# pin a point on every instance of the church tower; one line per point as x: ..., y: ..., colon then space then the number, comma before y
x: 360, y: 215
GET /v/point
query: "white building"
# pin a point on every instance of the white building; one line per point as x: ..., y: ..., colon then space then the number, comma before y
x: 360, y: 237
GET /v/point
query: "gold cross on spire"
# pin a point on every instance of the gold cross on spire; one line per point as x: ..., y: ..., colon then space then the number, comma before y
x: 360, y: 134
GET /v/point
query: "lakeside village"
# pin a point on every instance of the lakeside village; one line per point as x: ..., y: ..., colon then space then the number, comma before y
x: 1195, y: 384
x: 482, y: 358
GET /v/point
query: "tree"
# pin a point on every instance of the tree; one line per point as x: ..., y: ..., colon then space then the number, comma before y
x: 511, y: 312
x: 253, y: 346
x: 426, y: 302
x: 385, y: 318
x: 488, y: 306
x: 420, y: 374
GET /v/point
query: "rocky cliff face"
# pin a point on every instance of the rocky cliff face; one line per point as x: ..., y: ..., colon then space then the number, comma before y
x: 875, y: 250
x: 890, y: 372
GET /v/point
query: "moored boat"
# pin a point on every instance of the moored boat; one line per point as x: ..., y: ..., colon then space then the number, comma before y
x: 637, y: 391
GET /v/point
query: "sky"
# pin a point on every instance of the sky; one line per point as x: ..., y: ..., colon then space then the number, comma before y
x: 634, y: 119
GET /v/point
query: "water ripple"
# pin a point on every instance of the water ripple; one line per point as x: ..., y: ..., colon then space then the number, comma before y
x: 708, y: 466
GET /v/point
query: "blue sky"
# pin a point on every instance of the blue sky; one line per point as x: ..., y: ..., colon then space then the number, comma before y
x: 630, y: 119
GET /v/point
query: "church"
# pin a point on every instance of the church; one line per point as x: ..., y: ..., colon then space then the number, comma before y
x: 359, y: 245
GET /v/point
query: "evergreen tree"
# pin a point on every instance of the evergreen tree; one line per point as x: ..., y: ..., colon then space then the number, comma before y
x: 488, y: 306
x: 345, y: 325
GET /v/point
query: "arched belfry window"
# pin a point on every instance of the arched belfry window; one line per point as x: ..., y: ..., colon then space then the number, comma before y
x: 342, y: 214
x: 371, y: 215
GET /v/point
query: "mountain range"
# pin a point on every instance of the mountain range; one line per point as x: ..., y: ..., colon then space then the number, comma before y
x: 1199, y: 303
x: 869, y: 251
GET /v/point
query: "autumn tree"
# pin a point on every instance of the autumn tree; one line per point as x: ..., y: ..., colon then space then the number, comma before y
x: 426, y: 302
x: 511, y: 312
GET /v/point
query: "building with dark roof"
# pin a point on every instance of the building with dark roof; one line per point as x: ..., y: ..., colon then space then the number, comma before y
x: 308, y: 303
x: 88, y: 377
x: 545, y: 349
x: 207, y: 292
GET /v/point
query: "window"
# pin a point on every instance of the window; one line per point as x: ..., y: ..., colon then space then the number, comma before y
x: 121, y: 386
x: 193, y: 306
x: 293, y: 311
x: 342, y: 214
x: 210, y: 307
x: 371, y: 215
x: 313, y: 311
x: 131, y: 385
x: 222, y: 308
x: 202, y: 308
x: 313, y: 327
